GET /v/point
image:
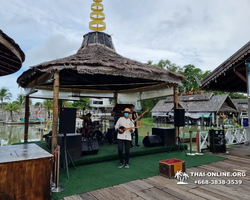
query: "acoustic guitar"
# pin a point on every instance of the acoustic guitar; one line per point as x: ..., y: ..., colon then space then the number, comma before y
x: 124, y: 129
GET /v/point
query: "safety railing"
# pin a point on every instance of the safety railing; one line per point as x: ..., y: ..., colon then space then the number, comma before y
x: 232, y: 136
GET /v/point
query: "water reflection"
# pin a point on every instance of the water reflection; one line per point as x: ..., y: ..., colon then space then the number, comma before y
x: 148, y: 128
x: 10, y: 134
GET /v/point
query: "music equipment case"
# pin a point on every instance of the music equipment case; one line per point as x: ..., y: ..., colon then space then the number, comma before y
x: 217, y: 141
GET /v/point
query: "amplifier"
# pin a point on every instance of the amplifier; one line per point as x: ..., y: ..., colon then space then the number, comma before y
x: 167, y: 135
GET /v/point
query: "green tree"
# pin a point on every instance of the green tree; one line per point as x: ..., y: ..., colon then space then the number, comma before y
x: 38, y: 103
x: 190, y: 72
x: 150, y: 103
x: 82, y: 104
x: 12, y: 107
x: 4, y: 95
x: 166, y: 64
x: 235, y: 95
x: 48, y: 103
x: 68, y: 104
x: 21, y: 99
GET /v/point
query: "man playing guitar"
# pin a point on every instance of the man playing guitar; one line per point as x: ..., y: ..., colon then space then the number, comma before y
x: 124, y: 126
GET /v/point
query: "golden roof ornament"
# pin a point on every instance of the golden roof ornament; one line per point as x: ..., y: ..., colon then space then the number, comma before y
x: 97, y: 17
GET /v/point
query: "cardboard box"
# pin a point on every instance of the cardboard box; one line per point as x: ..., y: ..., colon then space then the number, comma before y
x: 168, y: 168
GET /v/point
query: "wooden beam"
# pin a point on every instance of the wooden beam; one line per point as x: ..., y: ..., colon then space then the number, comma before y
x: 160, y: 85
x: 74, y: 89
x: 7, y: 66
x: 6, y: 57
x: 26, y: 119
x: 55, y: 111
x: 116, y: 98
x: 111, y: 84
x: 175, y: 88
x: 44, y: 77
x: 241, y: 76
x: 10, y: 47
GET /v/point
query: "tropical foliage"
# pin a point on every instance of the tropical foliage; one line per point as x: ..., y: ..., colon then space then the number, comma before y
x: 21, y: 100
x: 4, y: 95
x: 48, y: 103
x: 82, y: 104
x: 12, y: 107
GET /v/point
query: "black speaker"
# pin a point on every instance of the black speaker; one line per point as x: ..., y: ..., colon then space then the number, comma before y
x: 167, y: 135
x: 152, y: 141
x: 73, y: 146
x: 179, y: 117
x: 217, y: 141
x: 67, y: 121
x: 90, y: 147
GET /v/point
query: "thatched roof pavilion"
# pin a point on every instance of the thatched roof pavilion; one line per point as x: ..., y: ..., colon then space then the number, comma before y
x: 96, y: 67
x: 11, y: 55
x: 198, y: 103
x: 112, y: 72
x: 231, y: 74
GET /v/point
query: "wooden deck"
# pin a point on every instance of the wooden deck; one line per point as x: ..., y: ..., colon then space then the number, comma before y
x: 161, y: 188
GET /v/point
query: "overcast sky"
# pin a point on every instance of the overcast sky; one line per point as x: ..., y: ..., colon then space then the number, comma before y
x: 199, y: 32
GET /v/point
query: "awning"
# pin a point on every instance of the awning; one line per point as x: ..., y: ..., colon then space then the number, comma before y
x: 199, y: 115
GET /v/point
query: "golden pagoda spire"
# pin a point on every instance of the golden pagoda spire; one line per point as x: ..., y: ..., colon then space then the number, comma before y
x: 97, y: 16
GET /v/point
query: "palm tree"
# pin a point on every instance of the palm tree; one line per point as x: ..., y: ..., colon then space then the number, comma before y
x: 4, y: 95
x: 21, y: 99
x: 12, y: 107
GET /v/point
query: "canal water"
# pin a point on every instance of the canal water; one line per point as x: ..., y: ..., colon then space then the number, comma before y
x: 10, y: 134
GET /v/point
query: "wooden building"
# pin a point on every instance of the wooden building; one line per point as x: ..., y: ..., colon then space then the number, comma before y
x: 198, y: 105
x: 231, y: 74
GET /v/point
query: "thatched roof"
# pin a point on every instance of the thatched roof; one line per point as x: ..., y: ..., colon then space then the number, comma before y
x: 163, y: 107
x: 207, y: 102
x: 241, y: 104
x: 11, y: 55
x: 195, y: 97
x: 231, y: 74
x: 240, y: 101
x: 98, y: 58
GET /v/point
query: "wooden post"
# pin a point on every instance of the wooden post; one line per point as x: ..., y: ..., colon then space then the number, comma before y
x: 176, y: 106
x: 248, y: 90
x: 116, y: 97
x: 26, y: 119
x: 55, y: 111
x: 59, y: 106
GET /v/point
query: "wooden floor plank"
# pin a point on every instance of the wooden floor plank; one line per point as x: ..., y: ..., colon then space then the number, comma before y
x: 212, y: 194
x: 74, y: 197
x: 202, y: 194
x: 123, y: 193
x: 87, y: 196
x: 180, y: 189
x: 225, y: 195
x: 142, y: 184
x: 161, y: 188
x: 160, y: 194
x: 102, y: 195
